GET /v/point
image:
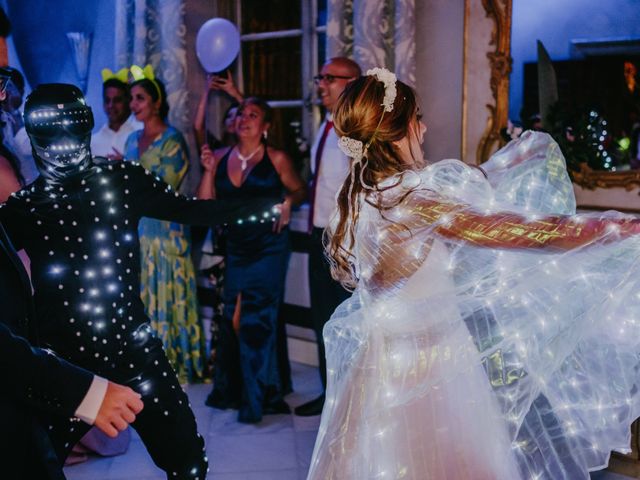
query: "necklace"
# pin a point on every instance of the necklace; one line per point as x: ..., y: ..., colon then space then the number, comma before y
x: 244, y: 159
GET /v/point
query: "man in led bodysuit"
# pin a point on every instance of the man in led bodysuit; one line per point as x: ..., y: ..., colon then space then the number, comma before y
x: 78, y: 224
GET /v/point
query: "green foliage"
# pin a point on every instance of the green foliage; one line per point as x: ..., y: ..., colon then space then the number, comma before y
x: 581, y: 132
x: 582, y: 135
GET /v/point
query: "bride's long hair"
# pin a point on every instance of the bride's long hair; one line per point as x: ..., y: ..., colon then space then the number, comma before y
x: 358, y: 116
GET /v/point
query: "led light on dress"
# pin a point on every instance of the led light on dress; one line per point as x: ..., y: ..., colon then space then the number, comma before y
x: 473, y: 347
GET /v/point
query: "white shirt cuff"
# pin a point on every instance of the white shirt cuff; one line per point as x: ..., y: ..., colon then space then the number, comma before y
x: 88, y: 409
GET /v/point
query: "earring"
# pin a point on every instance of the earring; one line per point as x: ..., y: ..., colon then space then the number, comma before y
x: 264, y: 134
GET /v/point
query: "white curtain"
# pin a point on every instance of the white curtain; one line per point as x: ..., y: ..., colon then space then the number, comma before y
x: 153, y: 31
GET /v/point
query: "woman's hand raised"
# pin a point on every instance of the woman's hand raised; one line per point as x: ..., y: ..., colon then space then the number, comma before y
x: 208, y: 160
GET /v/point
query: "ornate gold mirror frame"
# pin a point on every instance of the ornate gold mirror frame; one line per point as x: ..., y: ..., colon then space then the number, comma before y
x: 500, y: 61
x: 591, y: 179
x: 499, y: 55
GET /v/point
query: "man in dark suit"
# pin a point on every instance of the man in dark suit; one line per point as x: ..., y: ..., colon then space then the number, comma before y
x: 36, y: 385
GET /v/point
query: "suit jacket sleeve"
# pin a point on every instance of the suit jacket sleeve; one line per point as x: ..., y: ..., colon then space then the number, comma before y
x: 38, y: 377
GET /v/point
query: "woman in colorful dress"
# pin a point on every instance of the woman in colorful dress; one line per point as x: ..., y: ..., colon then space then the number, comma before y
x: 168, y: 284
x: 247, y: 369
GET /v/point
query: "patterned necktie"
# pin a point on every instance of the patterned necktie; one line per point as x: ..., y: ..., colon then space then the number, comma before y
x: 314, y: 181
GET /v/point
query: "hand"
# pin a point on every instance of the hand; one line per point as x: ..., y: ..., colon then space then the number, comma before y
x: 225, y: 84
x: 284, y: 216
x: 119, y: 408
x: 116, y: 155
x: 208, y: 159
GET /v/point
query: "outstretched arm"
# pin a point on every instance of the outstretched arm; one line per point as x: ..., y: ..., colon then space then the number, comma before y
x: 396, y: 253
x: 514, y: 231
x: 156, y: 199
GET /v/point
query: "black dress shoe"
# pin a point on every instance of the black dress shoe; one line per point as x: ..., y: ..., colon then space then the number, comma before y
x: 309, y: 409
x: 276, y: 408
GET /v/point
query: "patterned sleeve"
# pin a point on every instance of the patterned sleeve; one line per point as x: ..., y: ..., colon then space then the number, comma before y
x: 510, y: 230
x: 174, y: 159
x: 131, y: 147
x: 404, y: 239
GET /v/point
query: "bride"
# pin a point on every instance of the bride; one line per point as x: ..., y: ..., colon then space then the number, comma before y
x: 492, y: 332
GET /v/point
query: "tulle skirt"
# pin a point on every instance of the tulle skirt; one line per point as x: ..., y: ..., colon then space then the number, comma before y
x: 484, y: 363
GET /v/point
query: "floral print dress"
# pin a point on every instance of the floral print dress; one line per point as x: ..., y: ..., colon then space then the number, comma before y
x: 167, y: 280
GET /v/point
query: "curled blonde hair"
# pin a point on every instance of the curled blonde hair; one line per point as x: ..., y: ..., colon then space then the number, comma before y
x: 358, y: 116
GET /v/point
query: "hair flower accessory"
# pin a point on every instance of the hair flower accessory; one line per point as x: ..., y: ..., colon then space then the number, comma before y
x: 389, y: 79
x: 352, y: 148
x: 355, y: 148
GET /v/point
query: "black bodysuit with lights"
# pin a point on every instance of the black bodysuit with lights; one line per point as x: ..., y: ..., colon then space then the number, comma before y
x: 81, y: 237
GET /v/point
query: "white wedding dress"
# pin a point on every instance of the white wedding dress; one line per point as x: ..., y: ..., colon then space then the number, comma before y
x: 491, y: 336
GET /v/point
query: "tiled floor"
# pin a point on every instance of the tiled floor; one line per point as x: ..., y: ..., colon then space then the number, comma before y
x: 278, y: 449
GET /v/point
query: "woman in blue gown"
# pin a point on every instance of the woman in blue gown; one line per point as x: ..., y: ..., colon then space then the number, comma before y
x: 246, y: 373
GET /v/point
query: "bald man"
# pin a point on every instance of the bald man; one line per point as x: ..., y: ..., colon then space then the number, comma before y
x: 329, y: 168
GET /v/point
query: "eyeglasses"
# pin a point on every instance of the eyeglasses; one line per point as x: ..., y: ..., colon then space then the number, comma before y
x: 328, y: 78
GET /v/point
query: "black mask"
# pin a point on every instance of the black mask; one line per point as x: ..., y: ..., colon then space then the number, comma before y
x: 59, y: 125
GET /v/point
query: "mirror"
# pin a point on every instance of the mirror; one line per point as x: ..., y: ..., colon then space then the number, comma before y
x: 596, y: 57
x: 591, y: 39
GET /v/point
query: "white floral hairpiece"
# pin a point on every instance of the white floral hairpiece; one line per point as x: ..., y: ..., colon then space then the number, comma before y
x: 389, y: 79
x: 351, y: 147
x: 356, y: 149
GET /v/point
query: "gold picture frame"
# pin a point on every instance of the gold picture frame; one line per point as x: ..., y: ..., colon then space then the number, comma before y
x: 499, y: 56
x: 500, y: 61
x: 591, y: 179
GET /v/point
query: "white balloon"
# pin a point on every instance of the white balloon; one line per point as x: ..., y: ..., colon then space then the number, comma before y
x: 217, y: 44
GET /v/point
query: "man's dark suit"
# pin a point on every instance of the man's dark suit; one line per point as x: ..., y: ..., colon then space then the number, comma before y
x: 33, y: 381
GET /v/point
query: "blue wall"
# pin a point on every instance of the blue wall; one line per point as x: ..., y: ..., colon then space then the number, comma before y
x: 39, y: 47
x: 555, y: 23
